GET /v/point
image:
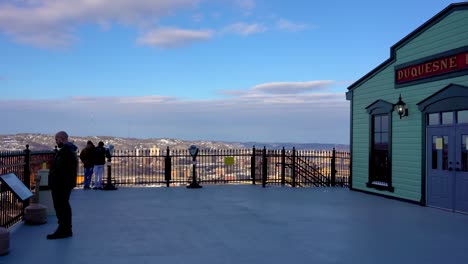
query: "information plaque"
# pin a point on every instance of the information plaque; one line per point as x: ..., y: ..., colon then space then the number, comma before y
x: 16, y: 186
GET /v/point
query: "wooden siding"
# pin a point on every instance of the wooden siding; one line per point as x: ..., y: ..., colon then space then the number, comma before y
x: 447, y: 34
x: 450, y: 33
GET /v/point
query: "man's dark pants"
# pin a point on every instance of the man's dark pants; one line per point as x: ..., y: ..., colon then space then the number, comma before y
x: 62, y: 207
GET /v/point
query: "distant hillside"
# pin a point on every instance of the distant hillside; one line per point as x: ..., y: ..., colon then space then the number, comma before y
x: 44, y: 142
x: 298, y: 146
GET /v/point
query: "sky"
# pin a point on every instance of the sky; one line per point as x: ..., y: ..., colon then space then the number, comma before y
x: 220, y: 70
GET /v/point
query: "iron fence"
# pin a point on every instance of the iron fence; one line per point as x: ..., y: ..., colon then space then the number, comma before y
x: 24, y: 164
x: 303, y: 168
x: 295, y: 168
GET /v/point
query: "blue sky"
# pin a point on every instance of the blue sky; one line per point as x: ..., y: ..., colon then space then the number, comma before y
x: 231, y: 70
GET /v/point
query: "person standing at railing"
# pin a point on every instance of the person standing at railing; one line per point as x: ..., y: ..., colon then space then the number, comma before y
x: 62, y: 180
x: 100, y: 156
x: 87, y: 157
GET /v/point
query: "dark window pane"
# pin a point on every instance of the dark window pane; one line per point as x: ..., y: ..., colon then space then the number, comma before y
x: 379, y: 170
x: 384, y: 137
x: 377, y: 123
x: 462, y: 117
x: 377, y: 138
x: 464, y: 153
x: 381, y: 147
x: 447, y: 118
x: 379, y: 166
x: 385, y: 123
x: 434, y: 152
x: 445, y: 153
x: 433, y: 119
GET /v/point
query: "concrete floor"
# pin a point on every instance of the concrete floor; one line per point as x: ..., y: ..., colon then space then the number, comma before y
x: 244, y: 224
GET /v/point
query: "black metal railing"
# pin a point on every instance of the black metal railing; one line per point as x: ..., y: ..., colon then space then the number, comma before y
x: 303, y: 168
x: 24, y: 164
x: 295, y: 168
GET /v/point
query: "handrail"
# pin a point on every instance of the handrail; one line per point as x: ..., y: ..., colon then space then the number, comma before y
x: 309, y: 173
x: 172, y: 168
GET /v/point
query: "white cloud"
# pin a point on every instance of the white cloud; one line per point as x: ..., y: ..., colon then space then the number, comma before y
x: 272, y: 117
x: 52, y: 22
x: 244, y: 29
x: 232, y: 92
x: 123, y: 99
x: 173, y: 37
x: 286, y: 25
x: 316, y: 93
x: 310, y: 101
x: 291, y: 87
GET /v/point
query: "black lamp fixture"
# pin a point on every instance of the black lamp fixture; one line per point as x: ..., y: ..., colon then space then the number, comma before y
x: 401, y: 108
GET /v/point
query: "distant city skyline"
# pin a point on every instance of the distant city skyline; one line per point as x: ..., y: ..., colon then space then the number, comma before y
x: 238, y: 70
x: 37, y: 142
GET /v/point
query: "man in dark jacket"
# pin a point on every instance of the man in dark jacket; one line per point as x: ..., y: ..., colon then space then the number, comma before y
x: 87, y: 157
x: 62, y: 180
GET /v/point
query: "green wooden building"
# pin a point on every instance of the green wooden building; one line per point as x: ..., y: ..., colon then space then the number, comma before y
x: 409, y: 117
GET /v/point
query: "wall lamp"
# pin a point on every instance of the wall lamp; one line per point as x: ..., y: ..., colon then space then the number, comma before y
x: 401, y: 108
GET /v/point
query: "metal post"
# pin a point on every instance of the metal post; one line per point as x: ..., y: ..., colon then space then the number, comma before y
x: 27, y: 172
x: 193, y: 150
x: 283, y: 167
x: 167, y: 168
x: 264, y: 167
x: 333, y: 168
x: 252, y: 165
x: 109, y: 186
x: 293, y: 167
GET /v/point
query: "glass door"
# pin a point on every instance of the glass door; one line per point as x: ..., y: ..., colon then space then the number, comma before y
x: 461, y: 169
x: 440, y: 167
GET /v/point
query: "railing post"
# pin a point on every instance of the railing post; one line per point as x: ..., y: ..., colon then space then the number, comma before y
x: 167, y: 167
x: 27, y: 172
x: 109, y: 152
x: 283, y: 167
x: 264, y: 167
x: 252, y: 165
x: 293, y: 167
x: 333, y: 168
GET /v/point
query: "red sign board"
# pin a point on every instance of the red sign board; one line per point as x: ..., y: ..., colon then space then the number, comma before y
x: 432, y: 68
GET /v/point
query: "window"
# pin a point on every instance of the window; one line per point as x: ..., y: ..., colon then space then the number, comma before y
x: 433, y: 119
x: 462, y: 117
x: 440, y: 148
x: 464, y: 153
x: 379, y: 167
x: 380, y: 173
x: 447, y: 118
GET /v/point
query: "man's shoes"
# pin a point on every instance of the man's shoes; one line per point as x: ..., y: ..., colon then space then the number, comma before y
x: 60, y: 235
x: 86, y: 188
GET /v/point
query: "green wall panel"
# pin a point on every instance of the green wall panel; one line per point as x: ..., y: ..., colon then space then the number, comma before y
x: 449, y: 33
